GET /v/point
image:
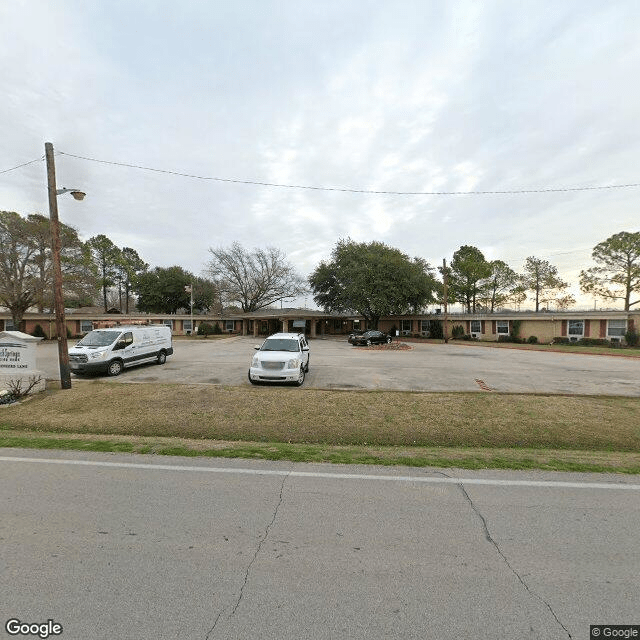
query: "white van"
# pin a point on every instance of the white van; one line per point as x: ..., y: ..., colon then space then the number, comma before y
x: 111, y: 350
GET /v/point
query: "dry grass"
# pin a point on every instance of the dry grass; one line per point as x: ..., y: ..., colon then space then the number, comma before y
x: 334, y: 418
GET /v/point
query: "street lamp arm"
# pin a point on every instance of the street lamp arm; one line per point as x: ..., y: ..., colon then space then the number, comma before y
x: 76, y: 193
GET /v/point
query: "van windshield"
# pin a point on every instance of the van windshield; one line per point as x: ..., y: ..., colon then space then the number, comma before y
x: 98, y: 339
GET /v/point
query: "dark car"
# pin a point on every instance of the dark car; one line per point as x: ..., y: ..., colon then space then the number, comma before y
x: 371, y: 337
x: 353, y: 335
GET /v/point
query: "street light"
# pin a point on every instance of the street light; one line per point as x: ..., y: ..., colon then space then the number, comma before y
x: 61, y: 330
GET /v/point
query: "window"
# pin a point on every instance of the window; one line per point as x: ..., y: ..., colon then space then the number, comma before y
x: 406, y: 326
x: 502, y: 327
x: 8, y: 325
x: 168, y: 323
x: 337, y: 324
x: 575, y: 328
x: 86, y: 326
x: 229, y: 325
x: 476, y: 327
x: 424, y: 326
x: 186, y: 325
x: 616, y: 328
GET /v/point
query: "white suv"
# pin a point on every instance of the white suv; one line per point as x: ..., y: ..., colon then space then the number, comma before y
x: 283, y: 357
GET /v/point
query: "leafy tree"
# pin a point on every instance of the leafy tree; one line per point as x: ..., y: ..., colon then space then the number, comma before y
x: 373, y: 280
x: 468, y: 269
x: 542, y: 278
x: 107, y: 258
x: 254, y: 279
x: 128, y: 267
x: 17, y: 249
x: 617, y: 274
x: 26, y: 270
x: 499, y: 285
x: 164, y: 290
x: 78, y: 273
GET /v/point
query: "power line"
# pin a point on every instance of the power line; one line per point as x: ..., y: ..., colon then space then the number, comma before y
x: 352, y: 190
x: 40, y: 159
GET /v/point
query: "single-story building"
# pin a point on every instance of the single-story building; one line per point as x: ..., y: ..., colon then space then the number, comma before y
x: 545, y: 326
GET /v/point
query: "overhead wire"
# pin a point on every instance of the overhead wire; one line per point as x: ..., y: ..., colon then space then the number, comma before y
x: 348, y: 189
x: 24, y: 164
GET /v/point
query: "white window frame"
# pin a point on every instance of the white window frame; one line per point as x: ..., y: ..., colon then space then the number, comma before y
x: 8, y: 325
x: 83, y: 326
x: 229, y: 325
x: 574, y: 333
x: 478, y: 324
x: 500, y: 324
x: 619, y: 331
x: 186, y: 325
x: 168, y: 323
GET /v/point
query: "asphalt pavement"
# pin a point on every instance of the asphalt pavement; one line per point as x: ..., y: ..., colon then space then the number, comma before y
x: 335, y: 364
x: 153, y: 548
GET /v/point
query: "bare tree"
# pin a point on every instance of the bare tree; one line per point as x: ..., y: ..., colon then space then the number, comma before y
x: 254, y: 279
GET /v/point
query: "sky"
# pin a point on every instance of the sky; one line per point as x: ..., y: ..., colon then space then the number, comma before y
x: 405, y: 96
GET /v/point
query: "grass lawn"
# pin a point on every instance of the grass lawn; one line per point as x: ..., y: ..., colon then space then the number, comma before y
x: 468, y: 430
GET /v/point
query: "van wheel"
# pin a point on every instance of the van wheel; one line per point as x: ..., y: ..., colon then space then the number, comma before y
x: 162, y: 357
x: 115, y: 368
x: 300, y: 381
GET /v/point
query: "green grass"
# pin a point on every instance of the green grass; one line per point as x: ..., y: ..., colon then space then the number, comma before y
x: 467, y: 430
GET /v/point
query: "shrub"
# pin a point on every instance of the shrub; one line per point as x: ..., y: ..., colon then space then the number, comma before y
x: 532, y: 339
x: 561, y: 340
x: 216, y: 329
x: 205, y: 329
x: 435, y: 329
x: 632, y: 338
x: 38, y: 332
x: 593, y: 342
x: 457, y: 331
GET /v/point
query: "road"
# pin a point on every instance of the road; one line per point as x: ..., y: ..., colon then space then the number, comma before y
x: 147, y: 548
x: 427, y: 367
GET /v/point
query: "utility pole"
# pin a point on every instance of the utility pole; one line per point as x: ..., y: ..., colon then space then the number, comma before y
x: 61, y: 329
x: 445, y: 279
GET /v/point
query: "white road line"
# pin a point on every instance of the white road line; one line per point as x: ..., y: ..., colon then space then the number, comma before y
x: 335, y: 476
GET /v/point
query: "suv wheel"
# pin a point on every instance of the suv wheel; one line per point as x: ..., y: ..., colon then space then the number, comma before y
x: 300, y: 381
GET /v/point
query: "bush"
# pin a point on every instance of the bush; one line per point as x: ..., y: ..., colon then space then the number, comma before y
x: 532, y: 339
x: 205, y: 329
x: 561, y: 340
x: 435, y: 329
x: 216, y: 329
x: 38, y: 332
x: 632, y: 338
x: 457, y: 331
x: 593, y: 342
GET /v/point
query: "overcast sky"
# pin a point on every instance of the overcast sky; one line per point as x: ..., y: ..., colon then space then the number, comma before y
x: 390, y: 96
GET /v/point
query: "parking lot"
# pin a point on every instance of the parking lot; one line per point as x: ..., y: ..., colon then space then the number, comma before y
x: 335, y: 364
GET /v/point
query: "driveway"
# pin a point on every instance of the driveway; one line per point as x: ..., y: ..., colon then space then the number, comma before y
x: 335, y: 364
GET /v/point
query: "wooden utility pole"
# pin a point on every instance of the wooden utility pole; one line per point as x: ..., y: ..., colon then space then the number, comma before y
x: 445, y: 279
x: 61, y: 329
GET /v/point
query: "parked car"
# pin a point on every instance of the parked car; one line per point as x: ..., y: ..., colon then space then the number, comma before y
x: 371, y: 337
x: 283, y: 357
x: 111, y: 350
x: 354, y: 334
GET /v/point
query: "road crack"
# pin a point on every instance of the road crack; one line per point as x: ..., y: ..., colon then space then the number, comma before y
x: 255, y: 556
x: 490, y: 539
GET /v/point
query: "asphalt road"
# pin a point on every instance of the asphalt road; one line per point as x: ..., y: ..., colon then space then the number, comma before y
x: 146, y: 548
x: 335, y: 364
